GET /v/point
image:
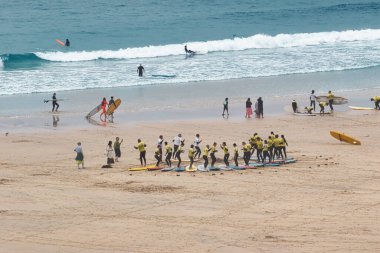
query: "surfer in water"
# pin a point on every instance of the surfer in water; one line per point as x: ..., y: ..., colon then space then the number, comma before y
x: 67, y: 43
x: 188, y: 51
x: 55, y: 104
x: 140, y: 70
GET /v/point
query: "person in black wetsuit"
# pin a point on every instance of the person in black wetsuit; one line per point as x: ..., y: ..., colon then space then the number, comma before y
x: 260, y: 108
x: 55, y: 104
x: 188, y: 51
x: 140, y: 70
x: 67, y: 43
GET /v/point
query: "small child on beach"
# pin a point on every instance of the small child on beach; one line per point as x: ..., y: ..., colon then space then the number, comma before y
x: 80, y: 157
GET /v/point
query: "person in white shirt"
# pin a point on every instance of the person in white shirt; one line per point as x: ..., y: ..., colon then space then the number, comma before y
x: 198, y: 151
x: 177, y: 141
x: 109, y: 153
x: 313, y: 97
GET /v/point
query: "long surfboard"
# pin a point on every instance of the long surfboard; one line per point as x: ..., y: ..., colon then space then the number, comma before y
x: 336, y: 101
x: 94, y: 111
x: 114, y: 106
x: 60, y: 42
x: 360, y: 108
x: 344, y: 137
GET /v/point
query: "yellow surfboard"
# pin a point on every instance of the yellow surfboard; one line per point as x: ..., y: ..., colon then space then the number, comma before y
x: 344, y: 137
x: 192, y: 169
x: 114, y: 106
x: 141, y: 168
x: 360, y: 108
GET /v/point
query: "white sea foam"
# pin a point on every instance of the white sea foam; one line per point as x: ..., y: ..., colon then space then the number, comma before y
x: 259, y: 41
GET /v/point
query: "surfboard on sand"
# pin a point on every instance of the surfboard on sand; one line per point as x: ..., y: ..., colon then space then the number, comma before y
x: 344, y: 137
x: 155, y: 168
x: 303, y: 114
x: 60, y: 42
x: 202, y: 168
x: 167, y: 169
x: 192, y: 169
x: 114, y: 106
x: 94, y: 111
x: 142, y: 168
x: 336, y: 101
x: 360, y: 108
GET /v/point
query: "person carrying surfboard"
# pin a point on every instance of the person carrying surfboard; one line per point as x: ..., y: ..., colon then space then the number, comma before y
x: 104, y: 105
x: 141, y: 147
x: 111, y: 102
x: 67, y: 43
x: 376, y: 99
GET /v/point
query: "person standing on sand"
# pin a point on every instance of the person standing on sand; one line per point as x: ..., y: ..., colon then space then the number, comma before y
x: 80, y: 157
x: 265, y: 152
x: 158, y: 155
x: 177, y: 141
x: 256, y: 109
x: 294, y: 106
x: 160, y: 143
x: 283, y: 144
x: 178, y: 154
x: 260, y: 108
x: 247, y: 152
x: 330, y: 97
x: 313, y: 97
x: 55, y: 104
x: 206, y: 150
x: 322, y: 106
x: 198, y: 151
x: 111, y: 102
x: 191, y: 155
x: 226, y: 153
x: 248, y: 108
x: 212, y: 154
x: 109, y: 153
x: 141, y: 147
x: 236, y: 154
x: 225, y: 107
x: 116, y: 147
x: 168, y: 154
x: 140, y: 70
x: 104, y: 105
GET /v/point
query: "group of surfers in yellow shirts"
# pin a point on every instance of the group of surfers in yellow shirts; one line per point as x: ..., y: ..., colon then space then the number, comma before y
x: 266, y: 150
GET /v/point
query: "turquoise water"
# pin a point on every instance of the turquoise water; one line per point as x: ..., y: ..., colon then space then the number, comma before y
x: 233, y: 39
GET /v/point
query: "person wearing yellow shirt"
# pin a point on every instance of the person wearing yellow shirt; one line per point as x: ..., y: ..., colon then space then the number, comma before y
x: 206, y: 150
x: 330, y: 97
x: 270, y: 147
x: 213, y: 150
x: 226, y: 153
x: 277, y: 147
x: 322, y: 106
x: 236, y: 154
x: 308, y: 109
x: 259, y: 147
x: 376, y: 99
x: 265, y: 152
x: 178, y: 154
x: 168, y: 154
x: 247, y: 152
x: 191, y: 155
x: 157, y: 155
x: 141, y: 147
x: 283, y: 145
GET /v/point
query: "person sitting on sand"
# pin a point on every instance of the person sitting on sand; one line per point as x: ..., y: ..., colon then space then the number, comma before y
x: 191, y: 155
x: 206, y: 150
x: 80, y: 157
x: 116, y: 147
x: 236, y: 154
x: 178, y: 154
x: 294, y: 106
x: 109, y: 154
x: 226, y: 153
x: 322, y: 106
x: 168, y: 154
x: 213, y: 150
x: 157, y: 155
x: 141, y: 147
x: 330, y: 97
x: 309, y: 109
x: 376, y: 99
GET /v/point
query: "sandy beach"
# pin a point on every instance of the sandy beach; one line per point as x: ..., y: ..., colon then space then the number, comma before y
x: 326, y: 202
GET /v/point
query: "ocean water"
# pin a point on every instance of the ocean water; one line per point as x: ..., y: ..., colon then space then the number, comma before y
x: 232, y: 40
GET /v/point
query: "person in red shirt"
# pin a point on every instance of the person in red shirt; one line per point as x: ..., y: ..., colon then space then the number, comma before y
x: 104, y: 106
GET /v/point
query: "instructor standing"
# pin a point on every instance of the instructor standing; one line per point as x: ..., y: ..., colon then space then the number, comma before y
x: 140, y: 70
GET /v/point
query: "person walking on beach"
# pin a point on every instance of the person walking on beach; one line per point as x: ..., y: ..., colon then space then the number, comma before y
x: 225, y: 107
x: 212, y: 154
x: 104, y: 106
x: 80, y: 157
x: 55, y: 104
x: 294, y: 106
x: 260, y: 108
x: 330, y: 97
x: 140, y: 70
x: 141, y: 147
x: 168, y: 154
x: 313, y: 97
x: 116, y: 147
x: 198, y: 151
x: 226, y: 153
x: 109, y: 154
x: 248, y: 108
x: 177, y: 141
x: 376, y: 100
